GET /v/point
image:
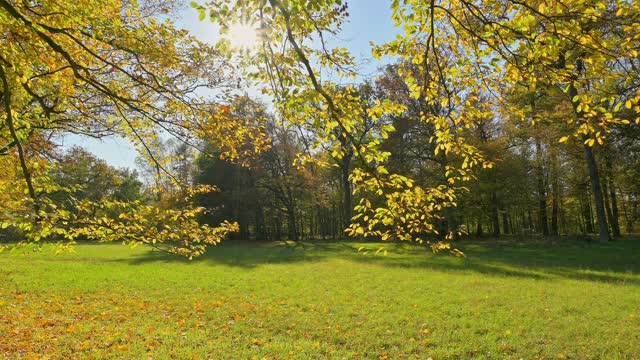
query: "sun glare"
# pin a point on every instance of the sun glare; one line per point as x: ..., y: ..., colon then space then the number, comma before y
x: 243, y: 36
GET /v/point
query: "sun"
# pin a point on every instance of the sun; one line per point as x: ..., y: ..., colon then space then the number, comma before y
x: 243, y: 36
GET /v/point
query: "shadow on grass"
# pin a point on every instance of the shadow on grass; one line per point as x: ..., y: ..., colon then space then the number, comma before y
x: 241, y: 254
x: 613, y: 262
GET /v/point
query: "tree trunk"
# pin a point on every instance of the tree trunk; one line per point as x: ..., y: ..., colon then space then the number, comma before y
x: 555, y: 194
x: 586, y: 210
x: 603, y: 228
x: 554, y: 216
x: 632, y: 219
x: 615, y: 225
x: 542, y: 193
x: 22, y: 155
x: 278, y: 230
x: 614, y: 205
x: 627, y: 217
x: 479, y: 227
x: 582, y: 222
x: 291, y: 225
x: 300, y: 225
x: 346, y: 193
x: 505, y: 222
x: 494, y: 214
x: 335, y: 223
x: 607, y: 203
x: 592, y: 166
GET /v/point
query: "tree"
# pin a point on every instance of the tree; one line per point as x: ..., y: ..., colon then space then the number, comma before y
x: 97, y: 69
x: 465, y: 50
x: 85, y: 177
x: 273, y: 197
x: 238, y: 199
x: 338, y: 146
x: 406, y: 211
x: 585, y: 48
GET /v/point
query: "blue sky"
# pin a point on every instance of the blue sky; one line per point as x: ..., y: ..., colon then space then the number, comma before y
x: 370, y: 20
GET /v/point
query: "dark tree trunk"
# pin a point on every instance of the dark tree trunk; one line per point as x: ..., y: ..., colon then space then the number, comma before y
x: 603, y: 235
x: 614, y: 207
x: 554, y: 215
x: 603, y: 228
x: 505, y: 222
x: 278, y: 230
x: 582, y: 222
x: 613, y: 218
x: 494, y: 214
x: 291, y: 225
x: 542, y: 193
x: 555, y: 191
x: 563, y: 219
x: 334, y: 221
x: 634, y: 216
x: 519, y: 223
x: 586, y: 210
x: 627, y: 217
x: 300, y: 225
x: 607, y: 203
x: 322, y: 223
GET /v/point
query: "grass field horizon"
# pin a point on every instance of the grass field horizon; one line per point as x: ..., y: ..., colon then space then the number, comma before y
x: 324, y: 300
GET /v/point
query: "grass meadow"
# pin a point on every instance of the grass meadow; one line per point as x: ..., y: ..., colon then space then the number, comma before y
x: 323, y: 300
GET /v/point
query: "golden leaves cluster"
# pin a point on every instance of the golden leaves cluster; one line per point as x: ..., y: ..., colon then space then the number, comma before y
x: 101, y: 68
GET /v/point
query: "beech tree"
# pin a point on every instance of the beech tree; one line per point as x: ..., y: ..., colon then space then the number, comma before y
x: 289, y: 66
x: 585, y: 48
x: 485, y: 48
x: 100, y: 68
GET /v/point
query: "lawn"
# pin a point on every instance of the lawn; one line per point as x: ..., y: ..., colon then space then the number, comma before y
x: 324, y: 300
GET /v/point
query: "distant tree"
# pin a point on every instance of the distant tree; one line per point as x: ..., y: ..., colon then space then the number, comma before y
x: 128, y: 186
x: 83, y: 176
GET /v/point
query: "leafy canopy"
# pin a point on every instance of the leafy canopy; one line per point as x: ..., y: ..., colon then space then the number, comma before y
x: 461, y: 58
x: 100, y: 68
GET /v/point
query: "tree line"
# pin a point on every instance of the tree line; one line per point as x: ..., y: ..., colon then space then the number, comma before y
x: 497, y: 117
x: 537, y: 186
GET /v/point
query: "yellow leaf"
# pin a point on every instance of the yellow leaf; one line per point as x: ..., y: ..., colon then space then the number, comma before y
x: 541, y: 8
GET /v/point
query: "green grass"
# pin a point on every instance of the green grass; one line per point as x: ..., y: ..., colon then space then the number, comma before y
x: 326, y: 300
